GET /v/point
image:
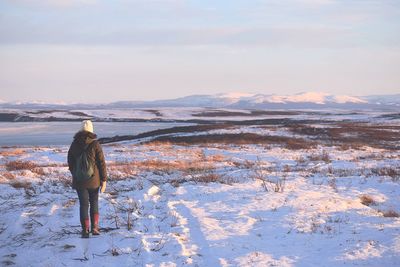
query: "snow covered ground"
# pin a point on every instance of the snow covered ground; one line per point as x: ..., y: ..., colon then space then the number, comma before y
x: 206, y: 205
x: 192, y: 113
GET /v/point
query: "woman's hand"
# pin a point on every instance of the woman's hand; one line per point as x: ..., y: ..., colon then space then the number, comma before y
x: 103, y: 186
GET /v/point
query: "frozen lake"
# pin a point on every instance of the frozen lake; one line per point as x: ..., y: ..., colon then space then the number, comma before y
x: 61, y: 133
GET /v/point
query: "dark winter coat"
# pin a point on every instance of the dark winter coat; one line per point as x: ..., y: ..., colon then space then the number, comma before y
x: 95, y: 152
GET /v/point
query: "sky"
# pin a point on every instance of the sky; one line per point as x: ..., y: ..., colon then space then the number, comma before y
x: 101, y: 51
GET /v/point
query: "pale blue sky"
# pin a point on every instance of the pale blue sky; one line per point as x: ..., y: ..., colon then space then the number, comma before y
x: 101, y: 51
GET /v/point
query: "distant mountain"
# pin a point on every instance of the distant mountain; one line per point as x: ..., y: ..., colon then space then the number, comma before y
x: 305, y: 100
x: 393, y: 100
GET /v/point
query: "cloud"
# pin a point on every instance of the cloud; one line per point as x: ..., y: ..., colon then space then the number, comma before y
x: 54, y: 3
x: 230, y: 36
x: 177, y: 22
x: 315, y: 2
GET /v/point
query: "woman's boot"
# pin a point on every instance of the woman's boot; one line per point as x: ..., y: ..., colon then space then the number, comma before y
x: 95, y: 224
x: 85, y: 228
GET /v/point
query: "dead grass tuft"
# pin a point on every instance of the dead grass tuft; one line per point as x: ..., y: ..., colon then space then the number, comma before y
x: 21, y: 184
x: 324, y: 156
x: 367, y: 200
x: 295, y: 144
x: 301, y: 160
x: 247, y: 164
x: 12, y: 152
x: 20, y: 165
x: 8, y: 175
x: 216, y: 158
x: 393, y: 172
x: 210, y: 177
x: 39, y: 170
x: 66, y: 181
x: 390, y: 214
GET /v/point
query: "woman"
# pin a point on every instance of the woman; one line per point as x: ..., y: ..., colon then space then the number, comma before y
x: 88, y: 190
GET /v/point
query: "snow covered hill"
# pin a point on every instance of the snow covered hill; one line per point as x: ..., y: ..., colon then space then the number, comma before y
x: 305, y: 100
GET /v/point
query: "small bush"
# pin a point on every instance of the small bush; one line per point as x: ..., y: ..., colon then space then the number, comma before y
x: 367, y: 200
x: 332, y: 183
x: 65, y: 181
x: 216, y: 158
x: 21, y: 184
x: 207, y: 178
x: 247, y: 164
x: 20, y: 165
x: 390, y: 213
x: 301, y: 160
x: 324, y: 156
x: 174, y: 218
x: 12, y: 152
x: 39, y: 171
x: 177, y: 182
x: 392, y: 172
x: 287, y: 168
x: 8, y: 175
x: 295, y: 144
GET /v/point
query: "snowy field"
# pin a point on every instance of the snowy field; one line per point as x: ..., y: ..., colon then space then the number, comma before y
x: 183, y: 114
x: 181, y: 201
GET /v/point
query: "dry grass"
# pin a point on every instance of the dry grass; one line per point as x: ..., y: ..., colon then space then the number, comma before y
x: 390, y: 214
x: 367, y: 200
x: 301, y: 159
x: 199, y: 168
x: 21, y: 184
x: 246, y: 164
x: 274, y: 184
x: 332, y: 183
x: 8, y: 175
x: 66, y: 181
x: 324, y: 156
x: 39, y: 170
x: 352, y: 135
x: 391, y: 171
x: 236, y: 139
x: 20, y: 165
x: 174, y: 218
x: 216, y: 158
x: 12, y: 152
x: 287, y: 168
x: 295, y: 144
x: 210, y: 177
x: 123, y: 170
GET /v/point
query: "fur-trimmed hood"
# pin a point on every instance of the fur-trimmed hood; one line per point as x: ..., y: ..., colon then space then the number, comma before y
x: 84, y: 137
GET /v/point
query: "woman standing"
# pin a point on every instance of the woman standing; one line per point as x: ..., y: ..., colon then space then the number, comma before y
x: 85, y: 143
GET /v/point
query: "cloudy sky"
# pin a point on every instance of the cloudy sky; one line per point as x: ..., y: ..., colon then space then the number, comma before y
x: 101, y: 50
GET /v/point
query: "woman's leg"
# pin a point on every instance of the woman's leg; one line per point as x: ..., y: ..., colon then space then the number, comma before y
x: 83, y: 196
x: 94, y: 210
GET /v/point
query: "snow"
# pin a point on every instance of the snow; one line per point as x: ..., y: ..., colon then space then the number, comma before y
x: 314, y: 97
x: 308, y: 97
x: 235, y: 95
x: 232, y: 99
x: 239, y: 223
x: 348, y: 99
x: 270, y: 206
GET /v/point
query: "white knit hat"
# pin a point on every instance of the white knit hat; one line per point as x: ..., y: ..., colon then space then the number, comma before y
x: 87, y: 125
